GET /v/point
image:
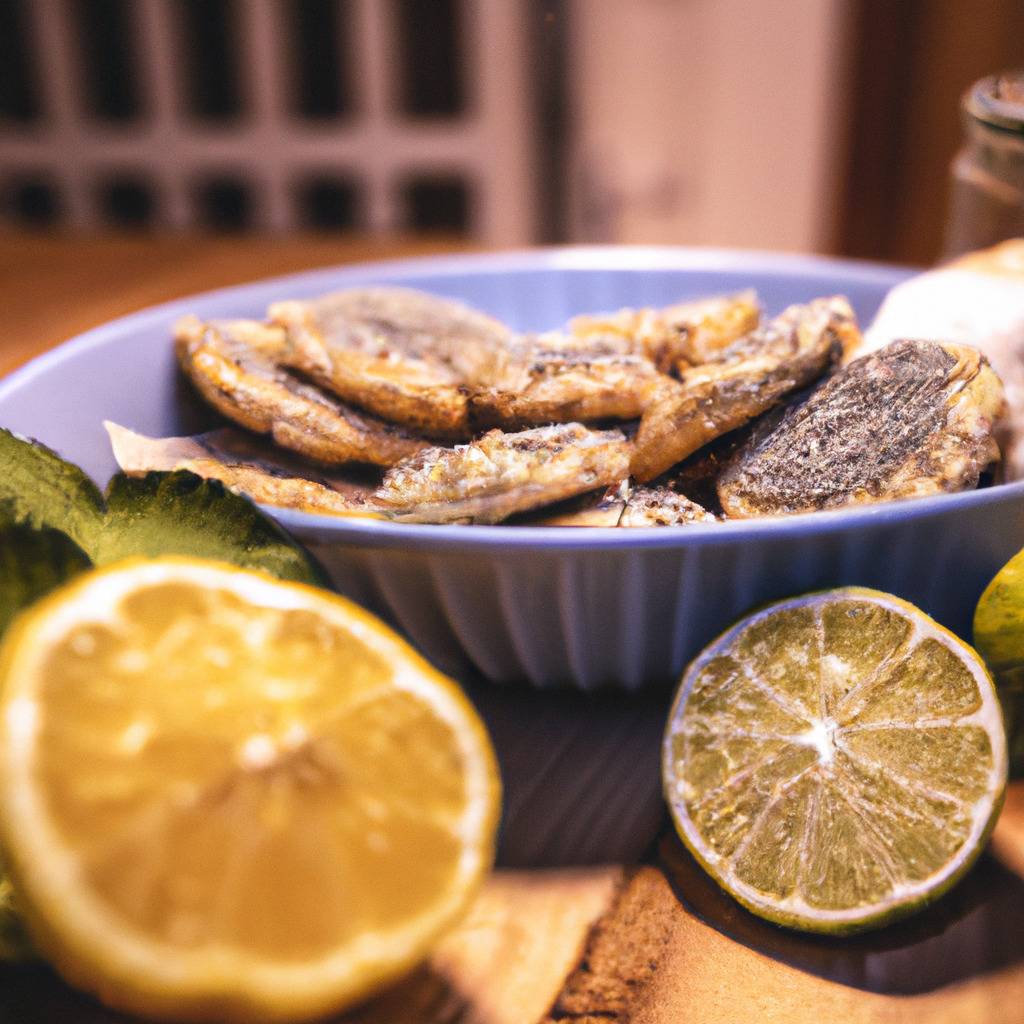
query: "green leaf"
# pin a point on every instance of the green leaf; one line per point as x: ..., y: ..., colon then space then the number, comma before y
x: 32, y: 563
x: 181, y: 513
x: 40, y: 488
x: 159, y: 514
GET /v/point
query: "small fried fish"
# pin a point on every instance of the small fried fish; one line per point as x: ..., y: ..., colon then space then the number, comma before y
x: 235, y: 366
x: 243, y: 466
x: 400, y: 354
x: 740, y: 382
x: 661, y: 506
x: 501, y: 474
x: 559, y: 378
x: 676, y: 336
x: 977, y: 300
x: 912, y: 419
x: 605, y: 367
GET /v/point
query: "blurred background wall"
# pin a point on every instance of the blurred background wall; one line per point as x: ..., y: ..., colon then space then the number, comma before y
x: 824, y: 125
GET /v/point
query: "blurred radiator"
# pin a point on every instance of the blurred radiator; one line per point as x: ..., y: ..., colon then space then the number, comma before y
x: 268, y: 114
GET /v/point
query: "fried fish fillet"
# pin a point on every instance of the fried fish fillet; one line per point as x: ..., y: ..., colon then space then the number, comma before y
x: 234, y: 364
x: 243, y: 466
x: 977, y: 300
x: 400, y: 354
x: 559, y: 378
x: 676, y: 336
x: 740, y: 382
x: 605, y: 367
x: 914, y: 418
x: 501, y: 474
x: 662, y: 506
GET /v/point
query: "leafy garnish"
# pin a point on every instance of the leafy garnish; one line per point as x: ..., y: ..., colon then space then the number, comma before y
x: 40, y: 488
x: 159, y: 514
x: 32, y: 563
x: 181, y: 513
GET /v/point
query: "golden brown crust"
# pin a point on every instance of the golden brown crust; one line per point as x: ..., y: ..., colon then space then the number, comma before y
x: 502, y: 474
x: 402, y: 355
x: 235, y: 366
x: 557, y: 378
x: 662, y: 506
x: 742, y: 381
x: 915, y: 418
x: 683, y: 334
x: 605, y: 367
x: 226, y: 456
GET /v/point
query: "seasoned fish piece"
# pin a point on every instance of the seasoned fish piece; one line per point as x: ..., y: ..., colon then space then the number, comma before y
x: 234, y: 364
x: 740, y: 382
x: 559, y: 378
x: 680, y: 335
x: 915, y: 418
x: 400, y: 354
x: 267, y: 477
x: 661, y: 506
x: 501, y: 474
x: 977, y: 300
x: 606, y: 366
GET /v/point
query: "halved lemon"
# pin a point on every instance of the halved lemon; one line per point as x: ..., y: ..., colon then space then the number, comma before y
x: 228, y: 797
x: 835, y: 761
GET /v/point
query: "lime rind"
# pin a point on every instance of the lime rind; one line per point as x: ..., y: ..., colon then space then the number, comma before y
x: 793, y: 910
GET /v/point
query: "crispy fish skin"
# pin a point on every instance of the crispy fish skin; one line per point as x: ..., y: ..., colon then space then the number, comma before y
x: 679, y: 335
x: 400, y: 354
x: 740, y: 382
x: 559, y: 378
x: 661, y: 506
x: 222, y: 455
x: 235, y: 366
x: 976, y: 300
x: 502, y: 474
x: 604, y: 367
x: 912, y: 419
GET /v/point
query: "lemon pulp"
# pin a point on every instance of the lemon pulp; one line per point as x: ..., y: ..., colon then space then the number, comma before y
x: 229, y: 796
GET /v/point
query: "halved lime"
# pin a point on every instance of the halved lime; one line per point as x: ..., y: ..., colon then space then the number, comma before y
x: 835, y: 761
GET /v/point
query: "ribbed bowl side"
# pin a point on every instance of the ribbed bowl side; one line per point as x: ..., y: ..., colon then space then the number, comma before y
x: 625, y: 619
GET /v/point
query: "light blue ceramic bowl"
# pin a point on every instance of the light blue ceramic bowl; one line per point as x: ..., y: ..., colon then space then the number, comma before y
x: 587, y: 608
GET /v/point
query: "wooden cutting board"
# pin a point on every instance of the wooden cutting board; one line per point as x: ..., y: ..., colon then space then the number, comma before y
x: 659, y: 944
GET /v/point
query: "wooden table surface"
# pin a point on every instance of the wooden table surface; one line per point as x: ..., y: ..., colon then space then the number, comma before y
x: 654, y: 942
x: 53, y: 287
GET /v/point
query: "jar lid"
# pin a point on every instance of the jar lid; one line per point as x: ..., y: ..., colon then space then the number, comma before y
x: 998, y: 101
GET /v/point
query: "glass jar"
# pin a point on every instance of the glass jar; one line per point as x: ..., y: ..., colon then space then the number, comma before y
x: 987, y: 197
